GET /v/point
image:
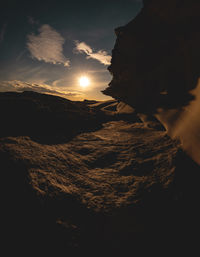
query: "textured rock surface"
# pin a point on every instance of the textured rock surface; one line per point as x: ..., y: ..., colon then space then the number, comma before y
x: 105, y: 169
x: 156, y: 55
x: 108, y: 192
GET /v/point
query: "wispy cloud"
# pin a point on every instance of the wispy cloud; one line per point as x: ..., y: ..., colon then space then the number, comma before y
x: 47, y: 46
x: 20, y: 86
x: 101, y: 55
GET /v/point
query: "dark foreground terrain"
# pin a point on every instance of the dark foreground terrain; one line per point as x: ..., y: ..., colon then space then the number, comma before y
x: 114, y: 186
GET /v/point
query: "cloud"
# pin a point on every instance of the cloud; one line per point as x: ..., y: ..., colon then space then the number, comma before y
x: 47, y: 46
x: 20, y: 86
x: 101, y: 55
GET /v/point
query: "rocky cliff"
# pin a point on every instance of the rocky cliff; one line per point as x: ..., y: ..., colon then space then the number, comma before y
x: 155, y: 67
x: 156, y: 55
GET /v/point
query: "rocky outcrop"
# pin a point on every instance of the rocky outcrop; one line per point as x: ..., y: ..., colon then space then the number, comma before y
x: 155, y: 61
x: 108, y: 192
x: 106, y: 186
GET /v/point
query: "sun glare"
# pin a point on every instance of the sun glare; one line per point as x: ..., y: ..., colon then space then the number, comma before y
x: 84, y: 82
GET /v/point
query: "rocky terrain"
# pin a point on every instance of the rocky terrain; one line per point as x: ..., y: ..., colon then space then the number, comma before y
x: 109, y: 178
x: 103, y: 191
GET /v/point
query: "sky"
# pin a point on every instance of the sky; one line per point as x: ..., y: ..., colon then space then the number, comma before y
x: 47, y: 46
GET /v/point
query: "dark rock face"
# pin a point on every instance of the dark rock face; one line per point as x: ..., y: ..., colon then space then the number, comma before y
x: 155, y: 61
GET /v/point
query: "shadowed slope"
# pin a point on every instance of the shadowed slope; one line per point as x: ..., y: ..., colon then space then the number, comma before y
x: 46, y: 118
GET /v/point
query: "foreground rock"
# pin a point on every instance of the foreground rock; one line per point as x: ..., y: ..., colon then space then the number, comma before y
x: 155, y: 58
x: 106, y: 192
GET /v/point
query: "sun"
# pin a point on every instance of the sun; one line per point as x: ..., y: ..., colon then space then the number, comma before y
x: 84, y: 81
